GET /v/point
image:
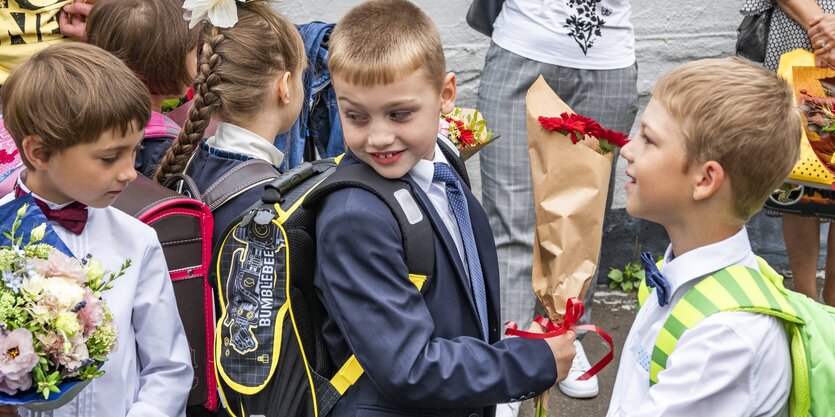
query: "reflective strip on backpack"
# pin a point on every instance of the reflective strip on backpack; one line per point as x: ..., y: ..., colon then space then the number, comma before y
x: 351, y: 371
x: 736, y: 288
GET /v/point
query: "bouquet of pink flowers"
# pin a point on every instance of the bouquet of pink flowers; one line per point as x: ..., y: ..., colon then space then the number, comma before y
x: 55, y: 329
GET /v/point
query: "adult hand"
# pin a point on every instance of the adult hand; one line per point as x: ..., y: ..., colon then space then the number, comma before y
x: 826, y: 60
x: 72, y: 21
x: 8, y: 411
x: 822, y: 33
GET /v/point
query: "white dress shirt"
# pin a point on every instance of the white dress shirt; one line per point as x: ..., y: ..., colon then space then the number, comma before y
x: 149, y: 374
x: 422, y: 173
x: 236, y: 139
x: 730, y: 364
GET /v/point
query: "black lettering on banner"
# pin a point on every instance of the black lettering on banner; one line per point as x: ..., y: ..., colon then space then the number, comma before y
x: 45, y: 22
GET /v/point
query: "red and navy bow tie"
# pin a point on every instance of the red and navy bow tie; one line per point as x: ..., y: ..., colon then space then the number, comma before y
x: 72, y: 217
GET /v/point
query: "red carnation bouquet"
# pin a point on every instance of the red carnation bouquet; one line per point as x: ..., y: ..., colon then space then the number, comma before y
x: 571, y: 161
x: 577, y: 128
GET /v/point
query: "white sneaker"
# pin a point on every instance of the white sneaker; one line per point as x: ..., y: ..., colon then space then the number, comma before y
x: 507, y: 410
x: 571, y: 386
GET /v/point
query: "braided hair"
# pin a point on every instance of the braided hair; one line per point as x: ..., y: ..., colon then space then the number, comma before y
x: 235, y: 68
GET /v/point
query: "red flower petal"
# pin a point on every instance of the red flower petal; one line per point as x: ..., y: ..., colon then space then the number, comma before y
x: 467, y: 137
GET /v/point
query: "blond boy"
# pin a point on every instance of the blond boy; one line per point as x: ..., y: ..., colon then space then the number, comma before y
x: 437, y: 352
x: 717, y: 137
x: 76, y: 114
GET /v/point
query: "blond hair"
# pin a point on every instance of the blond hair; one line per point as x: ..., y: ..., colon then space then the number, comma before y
x: 235, y: 67
x: 72, y: 93
x: 150, y: 36
x: 740, y: 115
x: 381, y: 41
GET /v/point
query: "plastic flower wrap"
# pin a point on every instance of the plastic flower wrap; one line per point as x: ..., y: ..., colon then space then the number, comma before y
x: 55, y: 329
x: 467, y: 130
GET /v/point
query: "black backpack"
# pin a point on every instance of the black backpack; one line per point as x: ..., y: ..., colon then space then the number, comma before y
x: 270, y: 355
x: 182, y: 218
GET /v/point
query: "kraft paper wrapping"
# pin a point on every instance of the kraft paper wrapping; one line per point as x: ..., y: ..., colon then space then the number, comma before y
x: 570, y: 183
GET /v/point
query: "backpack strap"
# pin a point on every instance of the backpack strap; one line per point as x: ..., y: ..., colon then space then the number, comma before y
x: 735, y: 288
x: 240, y: 179
x: 415, y: 227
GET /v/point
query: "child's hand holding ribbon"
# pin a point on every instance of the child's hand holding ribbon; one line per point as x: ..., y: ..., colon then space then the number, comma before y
x: 562, y: 347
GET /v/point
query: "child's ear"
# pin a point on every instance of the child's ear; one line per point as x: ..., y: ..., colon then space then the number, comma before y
x: 35, y: 151
x: 448, y: 90
x: 282, y: 88
x: 709, y: 177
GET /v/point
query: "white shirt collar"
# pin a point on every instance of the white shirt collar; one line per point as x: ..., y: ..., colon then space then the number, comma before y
x: 735, y: 250
x: 424, y: 170
x: 234, y: 138
x: 51, y: 205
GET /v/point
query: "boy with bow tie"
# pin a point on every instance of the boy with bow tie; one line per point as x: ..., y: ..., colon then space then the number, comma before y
x: 76, y: 114
x: 718, y: 136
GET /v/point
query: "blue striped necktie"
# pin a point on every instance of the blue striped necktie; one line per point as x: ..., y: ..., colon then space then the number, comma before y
x: 458, y: 203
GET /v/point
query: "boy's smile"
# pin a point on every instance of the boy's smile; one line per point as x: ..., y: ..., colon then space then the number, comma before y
x: 393, y: 126
x: 659, y: 187
x: 92, y: 173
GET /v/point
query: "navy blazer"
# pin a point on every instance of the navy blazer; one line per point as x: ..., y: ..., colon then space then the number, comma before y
x: 422, y: 354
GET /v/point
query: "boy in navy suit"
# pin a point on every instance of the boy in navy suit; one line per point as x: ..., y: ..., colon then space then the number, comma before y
x: 437, y: 353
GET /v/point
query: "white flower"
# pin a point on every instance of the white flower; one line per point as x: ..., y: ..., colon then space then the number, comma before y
x: 22, y: 210
x: 37, y: 233
x: 93, y: 270
x: 65, y: 293
x: 220, y: 13
x: 33, y: 286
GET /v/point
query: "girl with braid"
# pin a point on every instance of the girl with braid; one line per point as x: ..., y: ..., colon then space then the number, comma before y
x: 165, y: 60
x: 249, y: 77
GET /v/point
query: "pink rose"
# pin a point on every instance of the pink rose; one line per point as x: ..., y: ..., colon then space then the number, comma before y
x: 52, y: 344
x: 91, y: 315
x: 60, y: 265
x: 17, y: 359
x: 75, y: 359
x: 443, y: 127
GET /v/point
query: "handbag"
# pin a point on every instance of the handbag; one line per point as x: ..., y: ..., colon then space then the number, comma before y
x: 483, y: 13
x: 752, y: 35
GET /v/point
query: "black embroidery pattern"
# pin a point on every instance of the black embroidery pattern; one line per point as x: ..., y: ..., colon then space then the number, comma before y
x: 585, y: 24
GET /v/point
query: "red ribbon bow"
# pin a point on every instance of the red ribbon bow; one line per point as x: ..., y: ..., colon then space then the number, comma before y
x: 574, y: 309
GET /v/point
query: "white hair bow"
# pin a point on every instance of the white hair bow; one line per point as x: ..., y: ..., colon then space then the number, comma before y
x: 220, y: 13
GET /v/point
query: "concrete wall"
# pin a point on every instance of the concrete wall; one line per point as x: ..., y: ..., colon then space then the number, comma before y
x: 667, y: 33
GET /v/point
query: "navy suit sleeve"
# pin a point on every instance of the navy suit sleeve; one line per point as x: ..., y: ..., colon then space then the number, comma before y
x: 363, y: 282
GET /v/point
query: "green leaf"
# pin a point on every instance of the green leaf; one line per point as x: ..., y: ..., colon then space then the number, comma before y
x: 627, y: 286
x: 616, y: 275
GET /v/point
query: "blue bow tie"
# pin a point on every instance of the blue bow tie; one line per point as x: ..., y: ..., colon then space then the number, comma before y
x: 655, y: 280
